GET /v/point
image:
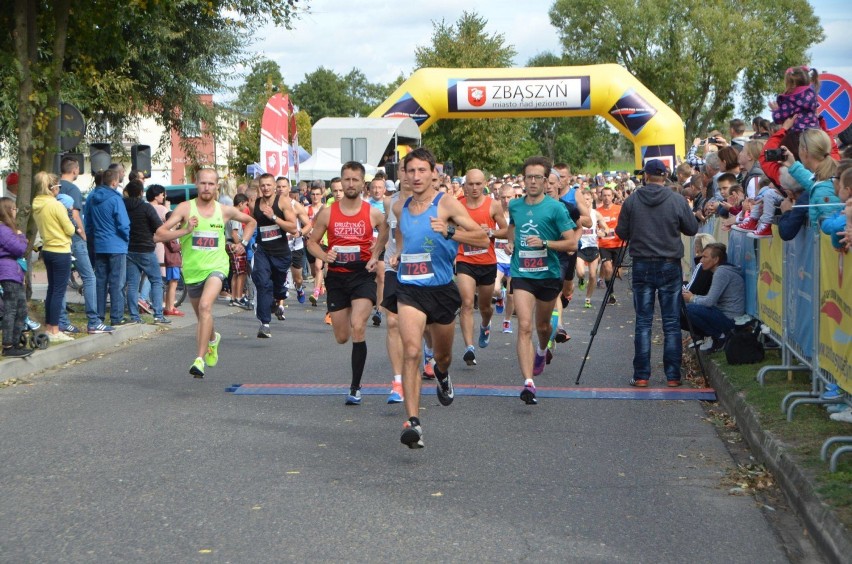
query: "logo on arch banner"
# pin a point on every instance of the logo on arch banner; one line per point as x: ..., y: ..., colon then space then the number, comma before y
x: 272, y: 164
x: 476, y: 95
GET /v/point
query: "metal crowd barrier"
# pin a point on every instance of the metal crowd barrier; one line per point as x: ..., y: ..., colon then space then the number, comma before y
x: 797, y: 290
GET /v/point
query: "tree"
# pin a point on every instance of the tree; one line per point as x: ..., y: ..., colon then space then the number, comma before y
x: 264, y: 80
x: 695, y: 56
x: 578, y: 141
x: 152, y: 60
x: 323, y: 93
x: 491, y: 144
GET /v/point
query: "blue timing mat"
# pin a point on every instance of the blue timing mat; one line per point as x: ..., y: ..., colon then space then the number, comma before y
x: 702, y: 394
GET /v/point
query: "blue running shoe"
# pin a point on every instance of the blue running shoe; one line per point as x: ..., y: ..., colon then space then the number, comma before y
x: 484, y: 336
x: 300, y: 295
x: 354, y: 397
x: 396, y: 393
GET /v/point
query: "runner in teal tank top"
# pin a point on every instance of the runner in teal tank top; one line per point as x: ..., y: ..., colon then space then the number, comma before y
x: 200, y: 226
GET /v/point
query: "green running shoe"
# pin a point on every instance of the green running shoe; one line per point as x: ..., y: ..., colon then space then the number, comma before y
x: 197, y: 368
x: 212, y: 356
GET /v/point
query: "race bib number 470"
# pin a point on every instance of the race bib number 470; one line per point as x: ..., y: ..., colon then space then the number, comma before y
x: 205, y: 240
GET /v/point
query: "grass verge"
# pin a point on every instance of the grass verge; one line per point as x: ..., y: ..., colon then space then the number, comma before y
x: 804, y: 436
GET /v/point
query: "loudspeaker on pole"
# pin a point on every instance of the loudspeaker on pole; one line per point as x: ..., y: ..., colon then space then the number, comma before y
x: 140, y: 158
x: 100, y: 156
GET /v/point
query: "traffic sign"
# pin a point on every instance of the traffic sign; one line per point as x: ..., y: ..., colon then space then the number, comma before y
x: 835, y: 102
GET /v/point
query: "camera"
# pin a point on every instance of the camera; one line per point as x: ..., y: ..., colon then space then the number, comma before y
x: 774, y: 155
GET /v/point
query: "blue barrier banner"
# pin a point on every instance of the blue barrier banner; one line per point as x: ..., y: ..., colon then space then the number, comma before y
x: 799, y: 279
x: 741, y: 251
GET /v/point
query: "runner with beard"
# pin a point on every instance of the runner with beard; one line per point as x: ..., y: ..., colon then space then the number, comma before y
x: 202, y: 223
x: 352, y: 258
x: 275, y: 218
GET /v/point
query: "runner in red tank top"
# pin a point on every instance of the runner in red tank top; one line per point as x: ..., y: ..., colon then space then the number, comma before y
x: 476, y: 268
x: 352, y: 259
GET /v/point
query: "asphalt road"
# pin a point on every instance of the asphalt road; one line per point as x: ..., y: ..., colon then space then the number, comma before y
x: 124, y: 457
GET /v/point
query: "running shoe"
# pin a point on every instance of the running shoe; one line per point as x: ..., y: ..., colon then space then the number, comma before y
x: 832, y: 391
x: 582, y: 283
x: 528, y: 394
x: 175, y: 312
x: 243, y: 303
x: 538, y: 364
x: 562, y: 336
x: 354, y: 396
x: 264, y: 332
x: 300, y: 294
x: 71, y: 329
x: 564, y: 301
x: 377, y: 318
x: 507, y: 325
x: 601, y: 283
x: 611, y: 300
x: 99, y: 328
x: 233, y: 303
x: 396, y: 393
x: 161, y: 321
x: 137, y: 321
x: 469, y: 356
x: 144, y: 306
x: 17, y: 352
x: 638, y: 383
x: 500, y: 304
x: 31, y: 325
x: 279, y: 313
x: 445, y: 390
x: 59, y: 337
x: 412, y: 434
x: 197, y: 368
x: 314, y: 297
x: 212, y: 356
x: 119, y: 322
x: 484, y: 336
x: 429, y: 368
x: 673, y: 383
x: 588, y: 304
x: 548, y: 356
x: 328, y: 318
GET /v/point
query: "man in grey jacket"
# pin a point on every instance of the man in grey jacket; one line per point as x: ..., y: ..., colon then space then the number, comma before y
x: 713, y: 315
x: 652, y: 220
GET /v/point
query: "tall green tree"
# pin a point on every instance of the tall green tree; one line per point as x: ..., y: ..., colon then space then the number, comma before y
x: 578, y: 141
x: 490, y: 144
x: 696, y: 56
x: 264, y: 80
x: 323, y: 93
x: 116, y: 61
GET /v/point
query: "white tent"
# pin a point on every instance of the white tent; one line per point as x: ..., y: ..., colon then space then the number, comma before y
x: 325, y: 164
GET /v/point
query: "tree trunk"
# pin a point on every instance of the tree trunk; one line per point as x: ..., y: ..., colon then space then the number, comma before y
x: 52, y: 144
x: 25, y: 39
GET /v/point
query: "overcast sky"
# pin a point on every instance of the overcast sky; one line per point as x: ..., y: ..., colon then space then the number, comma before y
x: 379, y: 36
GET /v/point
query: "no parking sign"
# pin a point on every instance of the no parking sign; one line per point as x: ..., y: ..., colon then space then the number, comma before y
x: 835, y: 102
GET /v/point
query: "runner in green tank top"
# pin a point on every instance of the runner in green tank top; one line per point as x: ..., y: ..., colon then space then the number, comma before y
x: 200, y: 226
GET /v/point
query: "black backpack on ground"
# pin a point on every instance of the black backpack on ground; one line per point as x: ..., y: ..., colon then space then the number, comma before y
x: 744, y: 344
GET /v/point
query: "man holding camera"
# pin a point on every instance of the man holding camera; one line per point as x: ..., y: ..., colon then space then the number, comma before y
x: 652, y: 220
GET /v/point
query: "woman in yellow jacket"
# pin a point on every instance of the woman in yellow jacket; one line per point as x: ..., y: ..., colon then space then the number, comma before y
x: 56, y: 229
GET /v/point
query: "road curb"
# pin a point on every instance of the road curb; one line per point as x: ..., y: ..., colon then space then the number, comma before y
x: 829, y: 535
x: 56, y: 355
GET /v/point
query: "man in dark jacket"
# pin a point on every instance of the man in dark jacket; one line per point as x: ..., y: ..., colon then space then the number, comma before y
x: 652, y: 220
x: 144, y: 222
x: 107, y: 233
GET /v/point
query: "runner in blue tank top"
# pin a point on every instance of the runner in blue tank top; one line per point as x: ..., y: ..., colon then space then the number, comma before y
x: 426, y: 245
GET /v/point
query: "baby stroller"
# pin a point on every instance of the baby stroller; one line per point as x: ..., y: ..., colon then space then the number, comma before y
x: 30, y: 339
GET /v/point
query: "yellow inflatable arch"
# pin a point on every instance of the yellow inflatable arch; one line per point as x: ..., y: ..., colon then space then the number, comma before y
x: 604, y: 90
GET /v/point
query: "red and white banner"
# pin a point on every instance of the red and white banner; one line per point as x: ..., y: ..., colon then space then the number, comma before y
x: 274, y: 136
